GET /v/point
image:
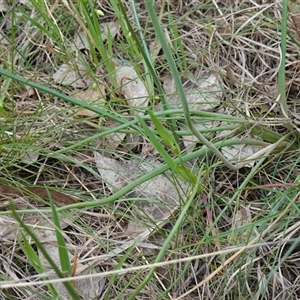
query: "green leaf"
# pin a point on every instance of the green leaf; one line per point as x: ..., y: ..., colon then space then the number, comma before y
x: 30, y: 253
x: 159, y: 147
x: 35, y: 261
x: 179, y: 170
x: 165, y: 134
x: 53, y: 265
x: 186, y: 174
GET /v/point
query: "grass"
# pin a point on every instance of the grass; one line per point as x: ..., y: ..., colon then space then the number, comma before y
x: 232, y: 232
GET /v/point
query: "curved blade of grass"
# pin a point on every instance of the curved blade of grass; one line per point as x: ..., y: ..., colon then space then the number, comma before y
x: 102, y: 112
x: 148, y: 176
x: 262, y: 131
x: 180, y: 89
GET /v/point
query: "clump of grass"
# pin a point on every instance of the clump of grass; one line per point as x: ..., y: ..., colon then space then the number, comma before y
x: 235, y: 234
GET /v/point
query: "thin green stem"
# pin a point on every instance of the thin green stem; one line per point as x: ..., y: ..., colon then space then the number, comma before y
x: 281, y: 73
x: 159, y: 170
x: 170, y: 236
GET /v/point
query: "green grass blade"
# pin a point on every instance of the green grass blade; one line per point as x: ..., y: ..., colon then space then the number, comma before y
x: 35, y: 261
x: 166, y: 135
x: 61, y: 244
x: 181, y: 92
x: 172, y: 233
x: 159, y: 147
x: 281, y: 72
x: 177, y: 168
x: 58, y: 272
x: 150, y: 67
x: 119, y: 266
x: 148, y: 176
